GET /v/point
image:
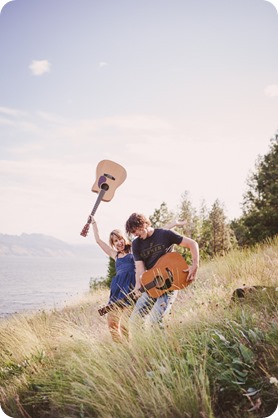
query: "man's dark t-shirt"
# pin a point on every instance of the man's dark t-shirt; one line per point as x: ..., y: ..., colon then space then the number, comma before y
x: 149, y: 250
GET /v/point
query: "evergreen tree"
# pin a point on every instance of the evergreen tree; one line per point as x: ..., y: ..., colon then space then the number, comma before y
x: 261, y: 200
x: 241, y: 232
x: 188, y: 213
x: 111, y: 271
x: 221, y: 234
x: 161, y: 216
x: 204, y: 233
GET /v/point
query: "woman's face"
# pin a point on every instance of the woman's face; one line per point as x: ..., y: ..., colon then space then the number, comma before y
x: 118, y: 243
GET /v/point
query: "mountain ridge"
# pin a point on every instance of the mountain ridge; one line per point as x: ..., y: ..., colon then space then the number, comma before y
x: 36, y: 244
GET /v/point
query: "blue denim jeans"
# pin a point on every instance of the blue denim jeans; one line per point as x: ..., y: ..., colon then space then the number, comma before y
x: 155, y: 308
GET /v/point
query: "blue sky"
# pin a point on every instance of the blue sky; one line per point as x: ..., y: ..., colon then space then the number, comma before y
x: 182, y: 93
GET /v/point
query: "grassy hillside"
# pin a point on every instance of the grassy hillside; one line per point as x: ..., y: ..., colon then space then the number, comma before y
x: 215, y: 359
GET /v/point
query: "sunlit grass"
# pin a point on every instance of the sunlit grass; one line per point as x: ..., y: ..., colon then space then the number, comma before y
x: 214, y: 358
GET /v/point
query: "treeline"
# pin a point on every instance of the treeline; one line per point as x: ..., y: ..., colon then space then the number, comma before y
x: 215, y: 234
x: 209, y: 228
x: 260, y: 203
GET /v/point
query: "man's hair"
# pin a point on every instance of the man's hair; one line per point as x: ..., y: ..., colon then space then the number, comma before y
x: 135, y: 221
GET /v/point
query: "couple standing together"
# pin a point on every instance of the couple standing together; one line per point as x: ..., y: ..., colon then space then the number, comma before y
x: 131, y: 260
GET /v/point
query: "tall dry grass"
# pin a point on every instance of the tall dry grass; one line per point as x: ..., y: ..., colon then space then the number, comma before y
x: 213, y: 359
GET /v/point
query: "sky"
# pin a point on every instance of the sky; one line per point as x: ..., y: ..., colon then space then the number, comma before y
x: 182, y: 93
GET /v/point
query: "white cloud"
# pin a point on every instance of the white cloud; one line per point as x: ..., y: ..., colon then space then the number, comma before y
x: 102, y: 64
x: 17, y: 120
x: 5, y: 121
x: 50, y: 168
x: 138, y: 122
x: 271, y: 90
x: 11, y: 112
x: 274, y: 3
x: 47, y: 191
x: 3, y: 3
x: 40, y: 67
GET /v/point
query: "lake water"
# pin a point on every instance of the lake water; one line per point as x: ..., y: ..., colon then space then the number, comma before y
x: 32, y: 283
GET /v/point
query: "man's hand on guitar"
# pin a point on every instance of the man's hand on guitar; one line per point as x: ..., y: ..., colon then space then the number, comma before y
x: 192, y: 272
x: 136, y: 293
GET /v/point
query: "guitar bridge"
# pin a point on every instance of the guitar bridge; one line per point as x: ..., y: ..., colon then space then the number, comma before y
x: 109, y: 176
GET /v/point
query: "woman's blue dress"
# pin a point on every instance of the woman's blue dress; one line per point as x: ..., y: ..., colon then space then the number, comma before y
x: 124, y: 281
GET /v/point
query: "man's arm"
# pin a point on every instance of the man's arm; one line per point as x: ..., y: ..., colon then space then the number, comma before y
x: 194, y: 249
x: 140, y: 268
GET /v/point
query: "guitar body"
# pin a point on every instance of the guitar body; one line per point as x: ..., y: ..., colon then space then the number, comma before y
x: 167, y: 274
x: 109, y: 176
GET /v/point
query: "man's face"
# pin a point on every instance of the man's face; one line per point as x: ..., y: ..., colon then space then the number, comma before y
x: 141, y: 232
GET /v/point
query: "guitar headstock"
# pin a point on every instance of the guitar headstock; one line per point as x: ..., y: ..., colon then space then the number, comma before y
x: 85, y: 230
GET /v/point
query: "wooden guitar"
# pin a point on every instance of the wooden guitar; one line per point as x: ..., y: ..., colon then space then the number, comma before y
x: 109, y: 176
x: 167, y: 274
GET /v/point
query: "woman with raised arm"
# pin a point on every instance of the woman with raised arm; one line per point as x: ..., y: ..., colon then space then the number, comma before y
x: 123, y: 282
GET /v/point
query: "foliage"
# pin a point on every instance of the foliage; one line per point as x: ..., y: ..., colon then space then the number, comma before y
x: 261, y: 200
x: 218, y: 360
x: 240, y: 231
x: 102, y: 282
x: 221, y: 233
x: 188, y: 213
x: 209, y: 228
x: 161, y: 216
x: 98, y: 283
x: 111, y: 271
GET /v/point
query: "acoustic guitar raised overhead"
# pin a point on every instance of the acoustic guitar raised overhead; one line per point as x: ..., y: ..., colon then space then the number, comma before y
x: 109, y: 176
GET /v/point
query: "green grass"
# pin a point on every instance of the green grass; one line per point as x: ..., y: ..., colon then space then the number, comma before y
x: 215, y: 359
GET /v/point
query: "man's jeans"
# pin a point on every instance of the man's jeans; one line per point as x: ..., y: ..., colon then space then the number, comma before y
x: 155, y: 308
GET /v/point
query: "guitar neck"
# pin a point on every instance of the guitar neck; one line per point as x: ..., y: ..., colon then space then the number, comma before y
x: 85, y: 229
x: 121, y: 303
x: 99, y: 199
x: 130, y: 297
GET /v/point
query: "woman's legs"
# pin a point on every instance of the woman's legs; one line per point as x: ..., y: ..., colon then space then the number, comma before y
x: 118, y: 324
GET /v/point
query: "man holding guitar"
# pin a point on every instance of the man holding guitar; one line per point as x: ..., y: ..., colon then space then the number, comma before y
x: 149, y: 247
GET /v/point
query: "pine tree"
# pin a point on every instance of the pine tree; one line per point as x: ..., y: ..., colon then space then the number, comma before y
x: 111, y: 271
x: 261, y: 200
x: 221, y: 234
x: 204, y: 233
x: 161, y: 216
x: 188, y: 213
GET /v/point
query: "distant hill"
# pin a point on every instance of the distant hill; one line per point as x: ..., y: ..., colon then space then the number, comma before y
x: 44, y: 245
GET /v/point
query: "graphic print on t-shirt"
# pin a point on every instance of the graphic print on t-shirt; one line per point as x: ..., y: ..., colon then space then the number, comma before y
x: 153, y: 249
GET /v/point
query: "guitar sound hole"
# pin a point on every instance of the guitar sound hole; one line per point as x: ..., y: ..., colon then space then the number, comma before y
x: 158, y: 280
x: 104, y: 186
